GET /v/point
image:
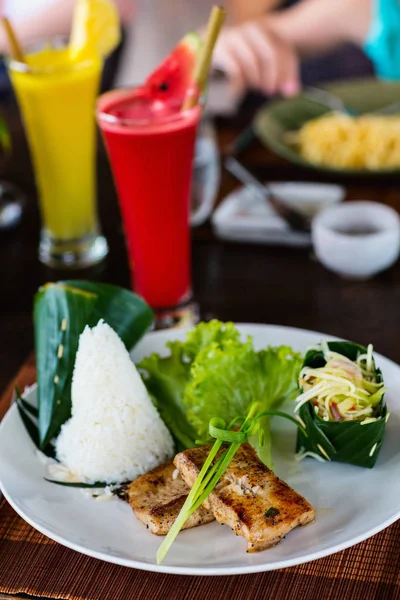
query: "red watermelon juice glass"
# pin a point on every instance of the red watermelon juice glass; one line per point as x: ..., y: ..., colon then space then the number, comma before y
x: 150, y: 144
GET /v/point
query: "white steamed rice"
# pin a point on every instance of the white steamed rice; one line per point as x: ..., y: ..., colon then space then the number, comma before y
x: 115, y: 433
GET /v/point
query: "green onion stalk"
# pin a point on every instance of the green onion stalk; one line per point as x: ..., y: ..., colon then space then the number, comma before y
x: 212, y: 470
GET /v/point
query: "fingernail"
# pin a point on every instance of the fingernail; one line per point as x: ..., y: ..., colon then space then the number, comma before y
x: 290, y: 88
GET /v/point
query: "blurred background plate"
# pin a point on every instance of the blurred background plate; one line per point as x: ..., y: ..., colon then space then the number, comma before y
x: 245, y: 216
x: 359, y: 96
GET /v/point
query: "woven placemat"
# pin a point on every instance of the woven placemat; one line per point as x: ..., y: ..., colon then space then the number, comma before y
x: 32, y: 564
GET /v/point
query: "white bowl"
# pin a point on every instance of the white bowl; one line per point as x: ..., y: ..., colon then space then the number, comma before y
x: 357, y: 239
x: 308, y: 197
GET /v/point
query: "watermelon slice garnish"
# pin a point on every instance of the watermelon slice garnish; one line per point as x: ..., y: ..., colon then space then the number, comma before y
x: 173, y: 78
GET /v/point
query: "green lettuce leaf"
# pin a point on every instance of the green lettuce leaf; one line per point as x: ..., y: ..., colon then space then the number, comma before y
x: 166, y: 379
x: 281, y: 368
x: 213, y: 374
x: 226, y: 381
x: 205, y: 334
x: 222, y: 384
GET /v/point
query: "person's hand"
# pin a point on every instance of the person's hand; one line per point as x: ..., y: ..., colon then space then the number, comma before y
x: 253, y: 56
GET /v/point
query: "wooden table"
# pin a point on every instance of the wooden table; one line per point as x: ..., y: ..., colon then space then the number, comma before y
x: 239, y: 282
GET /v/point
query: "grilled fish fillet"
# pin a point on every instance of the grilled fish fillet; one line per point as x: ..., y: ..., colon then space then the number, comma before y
x: 250, y: 498
x: 157, y: 497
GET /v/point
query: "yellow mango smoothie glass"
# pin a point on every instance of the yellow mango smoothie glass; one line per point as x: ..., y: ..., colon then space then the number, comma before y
x: 56, y: 94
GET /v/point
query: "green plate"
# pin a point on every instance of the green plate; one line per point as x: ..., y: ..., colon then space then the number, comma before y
x: 359, y: 96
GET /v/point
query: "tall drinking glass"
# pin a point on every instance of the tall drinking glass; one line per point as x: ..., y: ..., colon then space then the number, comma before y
x: 150, y: 146
x: 57, y: 98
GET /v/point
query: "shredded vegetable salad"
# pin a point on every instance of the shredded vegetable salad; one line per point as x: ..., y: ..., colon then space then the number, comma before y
x: 342, y: 390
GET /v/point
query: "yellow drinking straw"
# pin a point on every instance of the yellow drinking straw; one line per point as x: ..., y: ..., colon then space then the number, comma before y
x: 15, y: 47
x: 215, y: 22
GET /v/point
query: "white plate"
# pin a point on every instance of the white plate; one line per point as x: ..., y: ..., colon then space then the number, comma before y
x: 245, y: 217
x: 351, y: 503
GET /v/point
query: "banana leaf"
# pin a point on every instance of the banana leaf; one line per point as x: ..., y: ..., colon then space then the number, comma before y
x: 61, y: 312
x: 342, y: 441
x: 60, y: 315
x: 127, y: 313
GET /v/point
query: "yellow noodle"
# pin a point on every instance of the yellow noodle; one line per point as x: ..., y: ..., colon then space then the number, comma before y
x: 337, y: 140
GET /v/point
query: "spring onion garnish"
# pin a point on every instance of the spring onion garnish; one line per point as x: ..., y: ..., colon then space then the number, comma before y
x: 342, y: 389
x: 217, y: 462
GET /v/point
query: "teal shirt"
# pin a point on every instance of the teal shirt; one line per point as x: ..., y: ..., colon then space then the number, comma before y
x: 383, y: 41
